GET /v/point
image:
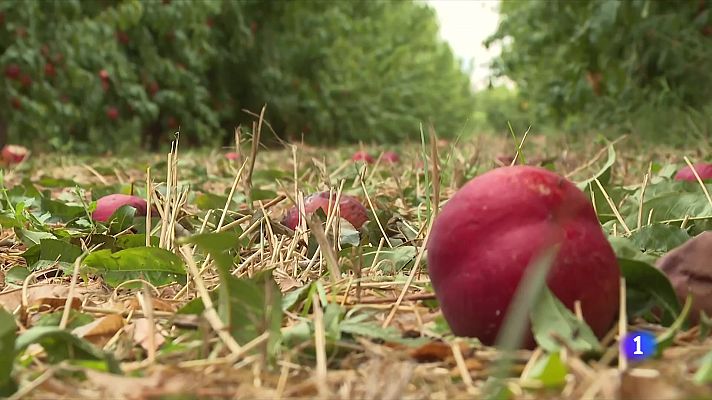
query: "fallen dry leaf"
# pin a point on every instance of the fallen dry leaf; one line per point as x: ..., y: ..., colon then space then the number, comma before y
x: 100, y: 330
x: 689, y: 270
x: 431, y: 352
x: 158, y: 305
x: 649, y: 384
x: 142, y: 333
x: 12, y: 299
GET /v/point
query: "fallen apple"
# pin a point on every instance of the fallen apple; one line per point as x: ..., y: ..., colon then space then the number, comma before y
x: 350, y: 209
x: 390, y: 157
x: 499, y: 223
x: 362, y: 156
x: 14, y: 154
x: 107, y: 205
x: 704, y: 170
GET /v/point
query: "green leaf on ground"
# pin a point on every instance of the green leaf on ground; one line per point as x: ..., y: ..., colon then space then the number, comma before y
x: 8, y: 330
x: 61, y: 345
x: 157, y: 266
x: 49, y: 251
x: 646, y: 288
x: 549, y: 316
x: 550, y: 371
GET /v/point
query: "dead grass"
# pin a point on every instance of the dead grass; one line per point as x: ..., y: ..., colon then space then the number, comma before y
x: 206, y: 362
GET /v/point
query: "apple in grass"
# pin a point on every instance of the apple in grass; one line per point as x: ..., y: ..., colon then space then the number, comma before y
x: 350, y: 209
x: 362, y: 156
x: 107, y: 205
x: 390, y: 157
x: 499, y: 223
x: 704, y: 170
x: 14, y: 154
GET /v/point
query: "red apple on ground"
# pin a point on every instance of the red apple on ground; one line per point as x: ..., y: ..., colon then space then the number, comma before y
x: 12, y: 71
x: 363, y: 156
x: 704, y: 170
x: 107, y: 205
x: 232, y: 156
x: 350, y: 209
x: 14, y: 154
x: 112, y: 113
x: 390, y: 157
x: 495, y: 226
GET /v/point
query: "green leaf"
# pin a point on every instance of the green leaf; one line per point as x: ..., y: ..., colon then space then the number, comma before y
x: 7, y: 347
x: 291, y: 298
x: 375, y: 331
x: 390, y: 260
x: 48, y: 251
x: 60, y: 210
x: 550, y: 371
x: 61, y: 345
x: 646, y: 287
x: 704, y: 371
x: 16, y: 275
x: 122, y: 219
x: 549, y: 316
x: 603, y: 175
x: 31, y: 238
x: 135, y: 240
x: 658, y: 239
x: 157, y: 266
x: 254, y: 308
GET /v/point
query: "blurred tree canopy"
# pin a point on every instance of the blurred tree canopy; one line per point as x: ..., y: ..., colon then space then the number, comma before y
x: 601, y: 63
x: 94, y: 75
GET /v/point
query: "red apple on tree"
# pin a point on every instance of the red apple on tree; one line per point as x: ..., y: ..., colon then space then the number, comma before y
x: 25, y: 80
x: 12, y: 71
x: 232, y: 156
x: 16, y: 103
x: 49, y: 70
x: 112, y: 113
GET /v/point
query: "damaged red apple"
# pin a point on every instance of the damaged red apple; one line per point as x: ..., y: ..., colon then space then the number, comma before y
x: 350, y: 209
x: 493, y: 228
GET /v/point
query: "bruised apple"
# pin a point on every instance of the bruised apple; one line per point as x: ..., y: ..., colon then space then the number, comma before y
x: 363, y: 156
x: 107, y: 205
x: 350, y: 209
x: 498, y: 224
x: 13, y: 154
x: 704, y: 170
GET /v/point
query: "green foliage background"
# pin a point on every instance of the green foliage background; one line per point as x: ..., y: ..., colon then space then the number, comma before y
x: 637, y: 66
x: 92, y: 75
